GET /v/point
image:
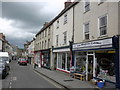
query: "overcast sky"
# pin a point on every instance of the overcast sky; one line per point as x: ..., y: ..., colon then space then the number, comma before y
x: 21, y: 20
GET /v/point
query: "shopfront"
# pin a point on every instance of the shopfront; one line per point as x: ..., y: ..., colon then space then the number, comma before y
x: 63, y: 59
x: 95, y: 59
x: 45, y: 58
x: 37, y: 58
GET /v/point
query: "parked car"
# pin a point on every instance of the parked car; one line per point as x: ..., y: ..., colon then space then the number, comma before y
x: 5, y: 56
x: 4, y: 68
x: 22, y: 61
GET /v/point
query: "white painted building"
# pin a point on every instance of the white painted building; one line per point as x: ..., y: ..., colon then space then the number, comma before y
x: 62, y: 35
x: 0, y: 45
x: 95, y: 25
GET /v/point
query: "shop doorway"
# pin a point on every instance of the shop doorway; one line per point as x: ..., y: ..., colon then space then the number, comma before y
x: 90, y: 65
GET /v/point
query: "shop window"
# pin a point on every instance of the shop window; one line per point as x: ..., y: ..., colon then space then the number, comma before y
x: 46, y: 60
x: 63, y: 60
x: 80, y: 62
x: 105, y: 66
x: 68, y: 61
x: 59, y: 60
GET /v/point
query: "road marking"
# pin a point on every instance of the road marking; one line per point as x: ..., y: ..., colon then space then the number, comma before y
x: 52, y: 82
x: 10, y: 83
x: 14, y: 78
x: 10, y: 87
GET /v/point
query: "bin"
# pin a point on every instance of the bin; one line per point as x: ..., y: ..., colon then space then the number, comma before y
x: 100, y: 84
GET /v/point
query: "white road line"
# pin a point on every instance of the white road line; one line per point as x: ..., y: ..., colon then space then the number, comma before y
x: 10, y: 83
x: 10, y: 87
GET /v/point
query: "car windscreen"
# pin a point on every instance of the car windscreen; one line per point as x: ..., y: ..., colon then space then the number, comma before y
x: 4, y: 59
x: 1, y: 64
x: 23, y: 59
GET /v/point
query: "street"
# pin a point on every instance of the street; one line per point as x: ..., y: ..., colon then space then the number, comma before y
x: 25, y: 77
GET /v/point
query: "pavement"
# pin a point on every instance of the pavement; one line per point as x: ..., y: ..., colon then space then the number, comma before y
x: 64, y: 80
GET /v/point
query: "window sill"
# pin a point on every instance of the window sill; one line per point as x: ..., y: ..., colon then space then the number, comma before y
x: 103, y: 36
x: 100, y: 3
x: 86, y: 11
x: 85, y: 40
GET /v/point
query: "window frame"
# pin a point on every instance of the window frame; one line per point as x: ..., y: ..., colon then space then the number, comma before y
x: 65, y: 37
x: 65, y: 18
x: 88, y: 5
x: 106, y: 15
x: 57, y: 37
x: 57, y: 24
x: 86, y: 32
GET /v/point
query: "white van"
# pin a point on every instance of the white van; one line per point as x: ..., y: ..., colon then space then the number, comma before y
x: 4, y: 56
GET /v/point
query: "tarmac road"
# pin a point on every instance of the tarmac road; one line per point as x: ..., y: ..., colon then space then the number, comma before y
x: 25, y: 77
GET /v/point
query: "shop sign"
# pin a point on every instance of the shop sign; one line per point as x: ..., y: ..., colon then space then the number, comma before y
x: 94, y: 44
x: 61, y: 50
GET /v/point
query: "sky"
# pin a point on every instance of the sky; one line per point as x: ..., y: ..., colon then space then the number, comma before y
x: 21, y: 20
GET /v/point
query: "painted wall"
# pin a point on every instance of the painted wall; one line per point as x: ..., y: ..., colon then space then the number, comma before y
x: 0, y: 45
x: 62, y: 28
x: 96, y: 10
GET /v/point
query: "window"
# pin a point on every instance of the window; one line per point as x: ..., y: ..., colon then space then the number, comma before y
x: 40, y: 36
x: 103, y: 25
x: 65, y: 37
x: 63, y: 61
x: 45, y: 44
x: 87, y: 5
x: 57, y: 40
x: 101, y: 1
x: 45, y: 33
x: 42, y: 44
x: 48, y: 43
x: 49, y: 31
x: 86, y: 31
x: 65, y: 18
x: 57, y: 24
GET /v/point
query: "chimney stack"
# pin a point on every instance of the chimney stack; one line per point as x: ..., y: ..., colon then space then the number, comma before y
x: 67, y: 3
x: 45, y: 24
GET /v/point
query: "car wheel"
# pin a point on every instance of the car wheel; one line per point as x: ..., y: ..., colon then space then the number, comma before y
x: 3, y: 76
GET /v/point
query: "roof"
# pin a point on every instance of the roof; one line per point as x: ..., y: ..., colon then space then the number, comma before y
x: 60, y: 14
x: 4, y: 54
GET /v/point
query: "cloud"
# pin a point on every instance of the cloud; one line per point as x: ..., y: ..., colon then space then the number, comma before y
x: 20, y: 21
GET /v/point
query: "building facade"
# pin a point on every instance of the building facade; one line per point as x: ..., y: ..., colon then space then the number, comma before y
x: 43, y: 46
x: 93, y: 50
x: 81, y: 38
x: 31, y: 52
x: 62, y: 35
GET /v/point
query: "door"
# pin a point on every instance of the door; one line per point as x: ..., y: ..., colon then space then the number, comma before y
x: 90, y: 67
